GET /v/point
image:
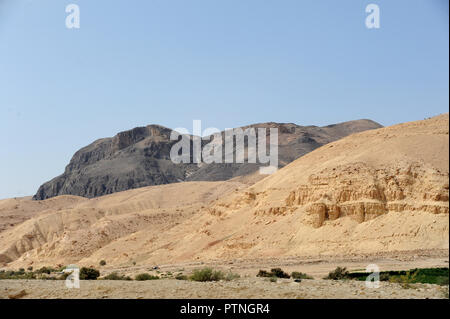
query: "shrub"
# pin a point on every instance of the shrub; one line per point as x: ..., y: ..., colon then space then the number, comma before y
x: 16, y: 275
x: 142, y: 277
x: 273, y: 279
x: 45, y: 270
x: 437, y: 276
x: 181, y: 277
x: 89, y: 273
x: 30, y: 268
x: 275, y: 272
x: 300, y: 275
x: 207, y: 274
x: 263, y: 273
x: 231, y: 276
x: 116, y: 276
x: 62, y: 268
x: 384, y: 277
x: 102, y: 262
x: 64, y: 276
x: 338, y: 274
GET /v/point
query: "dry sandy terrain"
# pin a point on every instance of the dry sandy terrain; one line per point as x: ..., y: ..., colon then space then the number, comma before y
x: 248, y: 286
x: 14, y: 211
x: 241, y: 288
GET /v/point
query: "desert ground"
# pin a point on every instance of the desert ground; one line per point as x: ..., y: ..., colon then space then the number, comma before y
x: 246, y: 288
x: 248, y: 285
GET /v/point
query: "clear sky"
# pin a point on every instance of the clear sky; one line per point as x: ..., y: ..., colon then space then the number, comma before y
x: 226, y: 62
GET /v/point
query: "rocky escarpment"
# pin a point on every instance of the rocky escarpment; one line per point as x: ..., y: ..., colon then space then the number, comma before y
x: 141, y: 157
x: 356, y: 191
x: 364, y: 193
x: 131, y: 159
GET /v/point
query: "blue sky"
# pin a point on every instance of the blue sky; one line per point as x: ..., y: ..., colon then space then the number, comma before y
x: 226, y: 62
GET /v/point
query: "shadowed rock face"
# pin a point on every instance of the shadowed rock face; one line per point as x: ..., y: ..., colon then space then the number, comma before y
x: 141, y: 157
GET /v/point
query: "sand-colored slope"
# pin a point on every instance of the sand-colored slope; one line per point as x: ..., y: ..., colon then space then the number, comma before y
x: 65, y: 235
x: 14, y: 211
x: 376, y: 191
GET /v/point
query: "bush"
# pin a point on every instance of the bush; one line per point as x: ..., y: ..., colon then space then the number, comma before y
x: 116, y: 276
x: 338, y: 274
x: 16, y: 275
x: 62, y: 268
x: 207, y: 274
x: 142, y: 277
x: 438, y: 276
x: 300, y: 275
x: 273, y: 279
x: 45, y: 270
x: 263, y: 273
x: 64, y: 276
x: 275, y: 272
x: 102, y: 262
x: 181, y: 277
x: 89, y: 273
x: 30, y: 268
x: 231, y: 276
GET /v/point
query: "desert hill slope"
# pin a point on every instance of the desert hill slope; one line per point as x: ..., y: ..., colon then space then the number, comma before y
x: 67, y: 234
x: 14, y: 211
x: 371, y: 192
x: 141, y: 157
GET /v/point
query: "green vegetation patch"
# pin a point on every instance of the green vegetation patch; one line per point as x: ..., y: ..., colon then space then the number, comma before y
x: 339, y: 273
x: 437, y: 276
x: 116, y: 276
x: 300, y: 275
x: 208, y: 274
x: 145, y: 276
x: 89, y: 273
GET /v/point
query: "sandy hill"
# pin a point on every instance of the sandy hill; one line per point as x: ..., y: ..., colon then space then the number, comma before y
x: 77, y: 227
x: 141, y: 157
x: 375, y: 191
x: 14, y: 211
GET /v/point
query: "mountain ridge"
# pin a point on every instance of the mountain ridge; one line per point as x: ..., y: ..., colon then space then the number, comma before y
x: 141, y: 157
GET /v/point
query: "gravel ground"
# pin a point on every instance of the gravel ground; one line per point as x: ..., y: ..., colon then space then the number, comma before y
x: 240, y: 288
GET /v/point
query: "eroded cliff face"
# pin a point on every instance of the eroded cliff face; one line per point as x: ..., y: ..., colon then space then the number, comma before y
x: 363, y: 193
x: 131, y: 159
x: 356, y: 191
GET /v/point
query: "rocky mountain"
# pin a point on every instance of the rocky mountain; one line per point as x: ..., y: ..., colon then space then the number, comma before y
x: 141, y: 157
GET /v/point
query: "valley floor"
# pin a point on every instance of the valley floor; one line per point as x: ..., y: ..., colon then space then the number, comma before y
x: 248, y: 286
x: 240, y: 288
